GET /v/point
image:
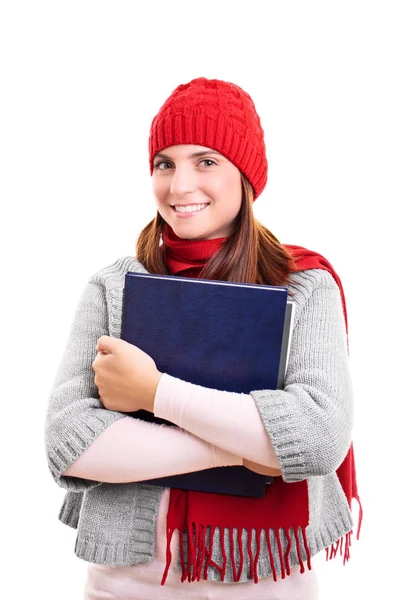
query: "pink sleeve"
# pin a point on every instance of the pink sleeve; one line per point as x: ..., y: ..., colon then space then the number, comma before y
x: 225, y: 419
x: 132, y: 450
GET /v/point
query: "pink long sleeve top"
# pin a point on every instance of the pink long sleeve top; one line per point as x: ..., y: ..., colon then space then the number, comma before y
x: 132, y: 450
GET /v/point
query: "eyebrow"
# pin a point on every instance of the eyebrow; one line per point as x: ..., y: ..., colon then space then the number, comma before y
x: 193, y: 155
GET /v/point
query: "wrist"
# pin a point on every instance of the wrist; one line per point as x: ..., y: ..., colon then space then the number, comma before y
x: 152, y: 390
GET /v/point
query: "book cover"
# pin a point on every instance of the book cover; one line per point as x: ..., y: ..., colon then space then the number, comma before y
x: 218, y: 334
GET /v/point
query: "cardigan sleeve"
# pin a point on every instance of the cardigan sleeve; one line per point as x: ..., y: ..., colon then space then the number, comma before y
x: 75, y: 417
x: 310, y: 421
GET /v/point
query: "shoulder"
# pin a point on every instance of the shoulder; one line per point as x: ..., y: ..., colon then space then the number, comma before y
x: 315, y: 287
x: 306, y: 282
x: 318, y: 299
x: 315, y: 272
x: 113, y: 274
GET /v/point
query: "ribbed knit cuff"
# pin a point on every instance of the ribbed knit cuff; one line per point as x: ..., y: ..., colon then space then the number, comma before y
x: 281, y: 433
x: 66, y: 445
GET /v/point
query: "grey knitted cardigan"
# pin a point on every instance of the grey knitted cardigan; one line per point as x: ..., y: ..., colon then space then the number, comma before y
x: 309, y: 424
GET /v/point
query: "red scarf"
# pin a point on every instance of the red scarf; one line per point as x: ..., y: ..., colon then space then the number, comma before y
x: 284, y: 506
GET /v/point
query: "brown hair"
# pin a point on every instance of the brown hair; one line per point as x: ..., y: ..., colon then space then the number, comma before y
x: 251, y: 254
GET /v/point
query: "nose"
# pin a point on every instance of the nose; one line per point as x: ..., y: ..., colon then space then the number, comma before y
x: 183, y: 181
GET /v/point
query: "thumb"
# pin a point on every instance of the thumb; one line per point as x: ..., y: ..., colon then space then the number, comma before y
x: 105, y: 343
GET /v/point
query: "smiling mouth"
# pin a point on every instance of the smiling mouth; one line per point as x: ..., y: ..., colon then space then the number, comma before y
x: 190, y: 208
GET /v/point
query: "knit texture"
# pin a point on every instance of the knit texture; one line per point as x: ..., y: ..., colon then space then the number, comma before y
x: 309, y: 424
x: 217, y: 114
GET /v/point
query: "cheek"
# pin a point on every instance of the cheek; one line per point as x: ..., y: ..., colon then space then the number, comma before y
x: 230, y: 193
x: 160, y: 190
x: 155, y: 184
x: 229, y: 185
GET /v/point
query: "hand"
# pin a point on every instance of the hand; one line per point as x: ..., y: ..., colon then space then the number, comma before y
x: 126, y: 377
x: 261, y: 469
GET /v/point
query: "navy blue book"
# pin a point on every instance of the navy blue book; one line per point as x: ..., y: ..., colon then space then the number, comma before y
x: 222, y: 335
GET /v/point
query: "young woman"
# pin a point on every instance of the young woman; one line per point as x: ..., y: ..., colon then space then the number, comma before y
x: 208, y: 164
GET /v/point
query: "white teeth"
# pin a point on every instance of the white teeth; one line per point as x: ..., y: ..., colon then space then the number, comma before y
x: 192, y: 208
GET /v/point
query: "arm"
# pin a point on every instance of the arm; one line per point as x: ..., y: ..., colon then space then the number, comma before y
x: 133, y: 450
x: 310, y: 422
x: 75, y: 416
x: 227, y: 420
x: 305, y: 429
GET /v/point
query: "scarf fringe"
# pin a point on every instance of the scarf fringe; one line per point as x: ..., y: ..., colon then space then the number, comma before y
x: 331, y: 551
x: 199, y: 553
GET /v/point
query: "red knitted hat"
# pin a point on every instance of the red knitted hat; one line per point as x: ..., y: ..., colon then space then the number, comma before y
x: 217, y: 114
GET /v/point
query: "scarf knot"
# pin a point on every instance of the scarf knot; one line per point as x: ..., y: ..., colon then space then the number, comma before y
x: 187, y: 258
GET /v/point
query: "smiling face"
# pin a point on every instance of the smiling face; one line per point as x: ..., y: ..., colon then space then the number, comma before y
x: 198, y: 191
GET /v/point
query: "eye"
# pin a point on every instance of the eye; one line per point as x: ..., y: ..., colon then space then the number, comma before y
x: 165, y: 162
x: 157, y: 165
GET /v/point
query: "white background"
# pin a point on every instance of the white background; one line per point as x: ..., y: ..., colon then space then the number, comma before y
x: 81, y: 82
